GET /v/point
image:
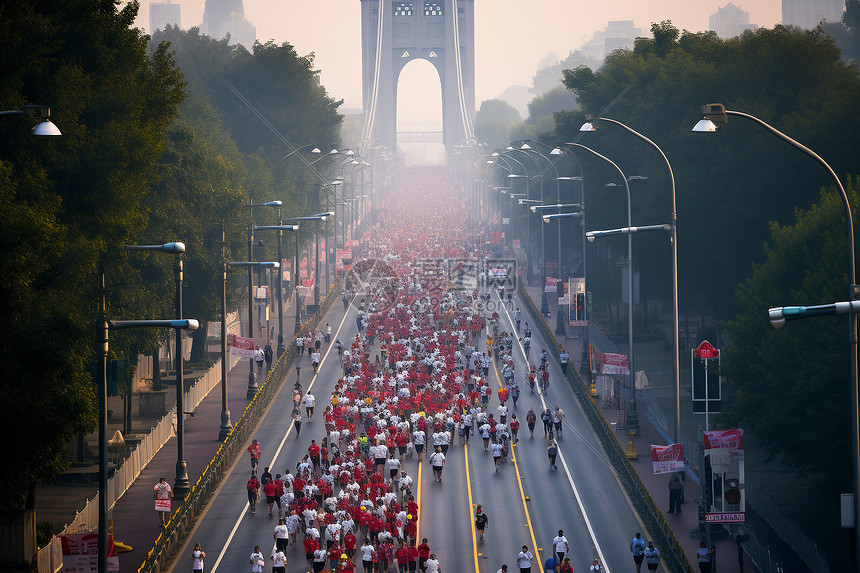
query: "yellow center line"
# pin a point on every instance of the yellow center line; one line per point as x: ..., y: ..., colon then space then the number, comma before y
x: 522, y: 493
x: 418, y: 501
x: 469, y: 489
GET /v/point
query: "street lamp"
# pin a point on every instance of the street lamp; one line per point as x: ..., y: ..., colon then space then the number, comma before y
x: 181, y: 485
x: 252, y: 376
x: 102, y: 330
x: 315, y: 151
x: 317, y: 217
x: 716, y: 112
x: 632, y: 416
x: 45, y: 126
x: 226, y: 425
x: 279, y: 229
x: 676, y: 363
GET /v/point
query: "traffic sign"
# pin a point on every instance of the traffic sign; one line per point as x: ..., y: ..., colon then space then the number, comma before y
x: 706, y: 350
x: 737, y: 517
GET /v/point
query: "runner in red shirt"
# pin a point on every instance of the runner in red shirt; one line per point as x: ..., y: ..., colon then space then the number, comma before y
x: 402, y: 556
x: 311, y: 545
x: 423, y: 554
x: 254, y: 450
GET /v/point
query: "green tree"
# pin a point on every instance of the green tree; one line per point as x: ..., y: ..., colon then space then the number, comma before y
x: 66, y: 202
x: 729, y: 185
x: 791, y: 386
x: 494, y: 121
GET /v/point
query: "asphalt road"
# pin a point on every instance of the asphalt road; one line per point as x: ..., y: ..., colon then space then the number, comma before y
x: 526, y: 501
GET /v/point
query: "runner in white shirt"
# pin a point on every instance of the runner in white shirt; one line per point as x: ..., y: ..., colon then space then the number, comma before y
x: 524, y: 560
x: 437, y: 460
x: 282, y: 535
x: 560, y: 546
x: 310, y: 401
x: 279, y: 562
x: 257, y: 561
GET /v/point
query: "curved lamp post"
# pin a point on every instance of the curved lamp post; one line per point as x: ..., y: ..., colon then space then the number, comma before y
x: 279, y: 229
x: 716, y: 114
x: 632, y: 415
x: 252, y: 377
x: 676, y: 363
x: 102, y: 330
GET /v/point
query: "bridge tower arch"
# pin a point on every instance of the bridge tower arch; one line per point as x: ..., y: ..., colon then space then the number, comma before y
x: 396, y: 32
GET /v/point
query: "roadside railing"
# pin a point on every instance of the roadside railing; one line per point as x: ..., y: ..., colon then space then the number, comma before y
x: 643, y: 503
x: 160, y: 557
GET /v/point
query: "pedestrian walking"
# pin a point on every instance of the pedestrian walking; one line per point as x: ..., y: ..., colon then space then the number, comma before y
x: 257, y: 560
x: 596, y: 567
x: 282, y: 535
x: 546, y: 418
x: 652, y: 557
x: 297, y: 421
x: 637, y: 547
x: 197, y: 557
x: 551, y: 453
x: 481, y: 522
x: 503, y: 569
x: 704, y: 556
x: 565, y: 566
x: 676, y: 492
x: 268, y: 354
x: 260, y: 359
x: 531, y: 418
x: 162, y: 494
x: 524, y: 560
x: 310, y: 402
x: 253, y: 487
x: 560, y: 546
x: 432, y: 564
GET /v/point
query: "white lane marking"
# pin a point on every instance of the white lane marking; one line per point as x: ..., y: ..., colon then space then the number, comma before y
x: 561, y: 457
x: 283, y: 441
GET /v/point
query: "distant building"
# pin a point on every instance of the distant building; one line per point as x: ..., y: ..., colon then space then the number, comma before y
x: 222, y: 17
x: 162, y: 14
x: 617, y: 34
x: 730, y: 21
x: 808, y: 13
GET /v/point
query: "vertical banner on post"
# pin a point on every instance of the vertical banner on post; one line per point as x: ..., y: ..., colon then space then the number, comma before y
x: 243, y: 347
x: 577, y: 302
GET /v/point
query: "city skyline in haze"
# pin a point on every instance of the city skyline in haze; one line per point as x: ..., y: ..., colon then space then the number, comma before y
x: 511, y: 38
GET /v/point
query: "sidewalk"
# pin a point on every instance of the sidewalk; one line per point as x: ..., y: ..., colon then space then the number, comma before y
x: 135, y: 522
x: 685, y: 524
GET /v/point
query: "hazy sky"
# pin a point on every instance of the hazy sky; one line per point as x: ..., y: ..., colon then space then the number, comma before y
x: 511, y: 36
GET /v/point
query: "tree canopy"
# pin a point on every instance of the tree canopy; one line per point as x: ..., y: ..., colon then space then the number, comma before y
x: 791, y: 386
x: 729, y: 185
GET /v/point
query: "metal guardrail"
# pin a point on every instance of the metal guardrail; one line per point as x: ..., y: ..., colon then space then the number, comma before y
x: 160, y: 557
x: 643, y: 503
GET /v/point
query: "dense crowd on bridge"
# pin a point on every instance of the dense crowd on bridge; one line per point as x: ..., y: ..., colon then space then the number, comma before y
x: 413, y: 384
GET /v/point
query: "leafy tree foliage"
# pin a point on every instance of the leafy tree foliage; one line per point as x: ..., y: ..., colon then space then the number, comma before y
x: 729, y: 185
x: 66, y: 201
x: 792, y: 385
x: 494, y: 121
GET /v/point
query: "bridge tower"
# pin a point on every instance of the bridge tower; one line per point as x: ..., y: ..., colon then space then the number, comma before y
x: 395, y: 32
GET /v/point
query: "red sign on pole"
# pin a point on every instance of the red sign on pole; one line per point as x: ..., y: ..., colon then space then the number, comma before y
x: 706, y: 350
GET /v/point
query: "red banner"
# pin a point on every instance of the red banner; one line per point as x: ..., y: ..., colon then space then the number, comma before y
x: 243, y: 347
x: 732, y: 440
x: 667, y: 459
x: 497, y: 238
x: 550, y: 285
x: 615, y: 364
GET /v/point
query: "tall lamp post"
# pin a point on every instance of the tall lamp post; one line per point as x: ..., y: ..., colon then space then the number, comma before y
x: 676, y: 358
x: 252, y: 376
x: 632, y: 415
x: 102, y: 330
x: 279, y: 229
x: 181, y: 485
x: 716, y: 113
x: 559, y: 324
x: 526, y: 148
x: 226, y: 425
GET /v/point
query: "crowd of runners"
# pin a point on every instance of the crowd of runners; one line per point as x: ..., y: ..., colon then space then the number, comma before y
x: 414, y: 383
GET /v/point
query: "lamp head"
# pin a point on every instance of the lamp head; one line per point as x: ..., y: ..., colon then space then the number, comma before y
x: 316, y: 151
x: 714, y: 114
x: 590, y: 237
x: 46, y: 127
x: 556, y: 151
x: 776, y: 317
x: 525, y: 146
x: 588, y: 126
